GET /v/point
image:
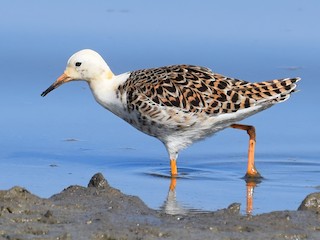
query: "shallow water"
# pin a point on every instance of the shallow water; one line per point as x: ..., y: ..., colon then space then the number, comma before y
x: 50, y: 143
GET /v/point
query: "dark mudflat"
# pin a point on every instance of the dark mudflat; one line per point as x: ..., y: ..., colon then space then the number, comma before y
x: 102, y: 212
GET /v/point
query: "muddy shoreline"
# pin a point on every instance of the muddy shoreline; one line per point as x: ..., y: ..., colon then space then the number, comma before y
x: 102, y: 212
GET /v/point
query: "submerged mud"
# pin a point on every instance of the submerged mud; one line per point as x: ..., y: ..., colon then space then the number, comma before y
x: 102, y: 212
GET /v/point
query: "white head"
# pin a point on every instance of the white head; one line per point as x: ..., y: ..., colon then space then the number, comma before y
x: 86, y: 65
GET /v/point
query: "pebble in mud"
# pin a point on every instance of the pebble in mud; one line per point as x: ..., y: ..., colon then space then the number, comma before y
x: 311, y: 202
x: 98, y: 181
x: 234, y: 208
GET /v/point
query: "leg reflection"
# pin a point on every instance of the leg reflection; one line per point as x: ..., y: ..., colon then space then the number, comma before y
x: 173, y: 184
x: 250, y: 185
x: 171, y: 205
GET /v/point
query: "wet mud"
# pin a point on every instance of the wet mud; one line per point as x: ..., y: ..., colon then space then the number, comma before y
x: 102, y: 212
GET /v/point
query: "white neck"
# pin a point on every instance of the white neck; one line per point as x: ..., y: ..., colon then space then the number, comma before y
x: 104, y: 91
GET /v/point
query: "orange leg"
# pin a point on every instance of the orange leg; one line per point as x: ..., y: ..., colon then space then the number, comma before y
x: 251, y: 170
x: 173, y: 164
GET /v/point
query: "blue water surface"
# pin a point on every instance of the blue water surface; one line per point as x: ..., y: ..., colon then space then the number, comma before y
x: 50, y: 143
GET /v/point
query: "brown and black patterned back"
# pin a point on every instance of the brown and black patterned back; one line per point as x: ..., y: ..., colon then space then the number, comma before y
x: 196, y: 89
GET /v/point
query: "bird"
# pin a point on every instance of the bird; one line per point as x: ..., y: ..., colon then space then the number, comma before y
x: 177, y: 104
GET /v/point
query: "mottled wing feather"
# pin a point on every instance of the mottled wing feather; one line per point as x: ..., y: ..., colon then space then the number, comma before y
x: 196, y: 89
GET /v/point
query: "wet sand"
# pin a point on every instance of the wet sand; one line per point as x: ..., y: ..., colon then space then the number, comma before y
x: 102, y: 212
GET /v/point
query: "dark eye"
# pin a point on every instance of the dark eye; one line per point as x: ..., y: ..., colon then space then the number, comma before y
x: 78, y: 64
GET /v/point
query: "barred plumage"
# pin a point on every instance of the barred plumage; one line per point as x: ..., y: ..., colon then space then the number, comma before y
x: 197, y: 90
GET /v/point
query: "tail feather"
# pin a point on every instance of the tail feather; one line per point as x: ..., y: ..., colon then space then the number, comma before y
x: 273, y: 91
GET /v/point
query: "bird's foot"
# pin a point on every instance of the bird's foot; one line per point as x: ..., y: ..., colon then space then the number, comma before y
x: 253, y: 176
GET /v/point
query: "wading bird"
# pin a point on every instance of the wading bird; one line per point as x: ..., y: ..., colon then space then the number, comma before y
x: 177, y: 104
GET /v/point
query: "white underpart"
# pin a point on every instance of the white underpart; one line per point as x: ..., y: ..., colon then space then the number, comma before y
x: 206, y: 127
